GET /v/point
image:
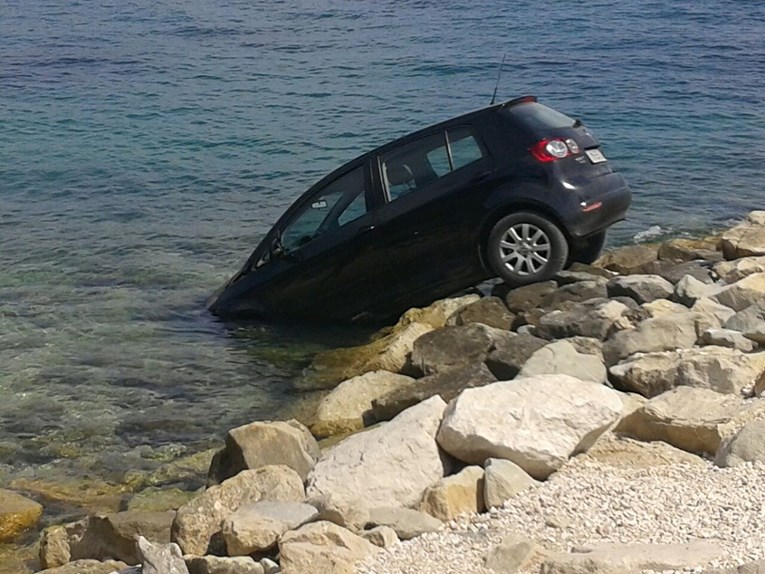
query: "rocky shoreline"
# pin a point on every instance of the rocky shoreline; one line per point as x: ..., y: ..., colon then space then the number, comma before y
x: 608, y: 420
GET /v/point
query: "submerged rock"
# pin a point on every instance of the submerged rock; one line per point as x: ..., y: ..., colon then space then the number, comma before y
x: 17, y: 514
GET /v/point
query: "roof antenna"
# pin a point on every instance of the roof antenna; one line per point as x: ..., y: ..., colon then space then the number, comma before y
x: 494, y: 97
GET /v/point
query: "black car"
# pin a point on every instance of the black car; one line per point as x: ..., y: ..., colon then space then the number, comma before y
x: 515, y: 190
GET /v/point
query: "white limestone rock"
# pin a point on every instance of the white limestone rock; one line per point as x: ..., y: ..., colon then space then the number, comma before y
x: 536, y: 422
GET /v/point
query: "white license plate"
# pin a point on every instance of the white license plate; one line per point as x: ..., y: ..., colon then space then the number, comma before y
x: 595, y: 155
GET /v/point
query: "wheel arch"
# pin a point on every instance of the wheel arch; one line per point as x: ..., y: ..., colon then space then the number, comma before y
x: 507, y: 209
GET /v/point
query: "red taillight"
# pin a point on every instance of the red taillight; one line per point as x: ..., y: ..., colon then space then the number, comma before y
x: 553, y: 150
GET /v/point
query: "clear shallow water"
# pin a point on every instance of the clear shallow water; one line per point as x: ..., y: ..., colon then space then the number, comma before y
x: 146, y: 146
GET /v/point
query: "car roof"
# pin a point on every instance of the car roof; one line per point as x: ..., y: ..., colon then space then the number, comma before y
x: 412, y: 136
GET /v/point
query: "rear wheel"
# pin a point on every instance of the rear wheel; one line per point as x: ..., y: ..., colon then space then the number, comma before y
x: 525, y: 248
x: 587, y: 250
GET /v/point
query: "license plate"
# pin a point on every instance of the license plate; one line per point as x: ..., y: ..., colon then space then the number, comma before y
x: 595, y: 155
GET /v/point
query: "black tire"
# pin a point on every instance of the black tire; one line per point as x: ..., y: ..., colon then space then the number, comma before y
x: 587, y: 250
x: 524, y: 248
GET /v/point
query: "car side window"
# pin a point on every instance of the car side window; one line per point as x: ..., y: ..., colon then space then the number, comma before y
x: 335, y: 205
x: 464, y: 147
x: 419, y: 163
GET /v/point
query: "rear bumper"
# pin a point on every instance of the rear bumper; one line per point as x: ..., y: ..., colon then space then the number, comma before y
x: 604, y: 206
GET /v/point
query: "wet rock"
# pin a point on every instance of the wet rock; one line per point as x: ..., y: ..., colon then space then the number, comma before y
x: 528, y: 296
x: 455, y: 494
x: 348, y: 407
x: 359, y: 466
x: 453, y: 347
x: 17, y: 514
x: 389, y: 352
x: 594, y: 318
x: 536, y: 422
x: 197, y: 525
x: 103, y: 536
x: 747, y: 239
x: 681, y: 249
x: 154, y: 499
x: 265, y: 443
x: 507, y: 358
x: 446, y: 384
x: 257, y: 527
x: 490, y: 311
x: 322, y: 547
x: 716, y: 368
x: 503, y: 479
x: 630, y: 259
x: 223, y: 565
x: 561, y: 357
x: 437, y: 314
x: 405, y: 522
x: 728, y: 338
x: 659, y: 334
x: 745, y: 446
x: 694, y: 420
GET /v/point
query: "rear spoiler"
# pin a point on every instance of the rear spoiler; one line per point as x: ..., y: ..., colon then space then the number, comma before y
x: 516, y: 101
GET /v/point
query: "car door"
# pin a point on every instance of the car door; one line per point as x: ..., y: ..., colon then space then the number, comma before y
x: 325, y: 264
x: 434, y: 187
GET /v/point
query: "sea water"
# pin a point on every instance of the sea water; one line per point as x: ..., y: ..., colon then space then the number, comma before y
x: 146, y: 146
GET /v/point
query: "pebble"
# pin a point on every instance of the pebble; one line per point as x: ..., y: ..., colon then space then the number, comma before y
x: 588, y: 502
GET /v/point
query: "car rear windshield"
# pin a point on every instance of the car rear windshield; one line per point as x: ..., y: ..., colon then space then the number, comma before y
x: 539, y: 117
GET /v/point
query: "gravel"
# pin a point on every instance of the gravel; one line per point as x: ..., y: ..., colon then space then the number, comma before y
x: 588, y: 502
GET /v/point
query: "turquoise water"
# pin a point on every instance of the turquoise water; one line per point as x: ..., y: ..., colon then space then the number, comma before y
x: 146, y: 146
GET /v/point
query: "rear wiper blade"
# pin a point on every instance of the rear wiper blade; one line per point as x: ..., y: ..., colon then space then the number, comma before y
x: 577, y: 123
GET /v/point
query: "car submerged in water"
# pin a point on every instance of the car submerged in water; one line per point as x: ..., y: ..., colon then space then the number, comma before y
x: 515, y: 190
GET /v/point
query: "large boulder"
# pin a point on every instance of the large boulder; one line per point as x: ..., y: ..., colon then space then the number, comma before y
x: 694, y: 420
x: 536, y: 422
x: 102, y: 536
x: 661, y: 333
x: 746, y: 239
x: 490, y: 311
x: 594, y: 318
x: 17, y: 514
x: 711, y: 314
x: 348, y: 407
x: 437, y: 313
x: 561, y: 357
x: 743, y: 293
x: 747, y: 445
x: 360, y: 466
x: 689, y: 290
x: 641, y: 288
x: 322, y: 547
x: 160, y: 558
x: 748, y: 320
x: 502, y: 480
x: 257, y: 527
x: 732, y: 271
x: 685, y: 249
x: 223, y: 565
x: 528, y: 296
x: 454, y: 346
x: 265, y: 443
x: 629, y: 259
x: 577, y: 292
x: 728, y: 338
x: 446, y: 384
x: 613, y: 558
x: 507, y: 358
x: 620, y: 451
x: 717, y: 368
x: 674, y: 272
x: 197, y: 524
x: 455, y: 494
